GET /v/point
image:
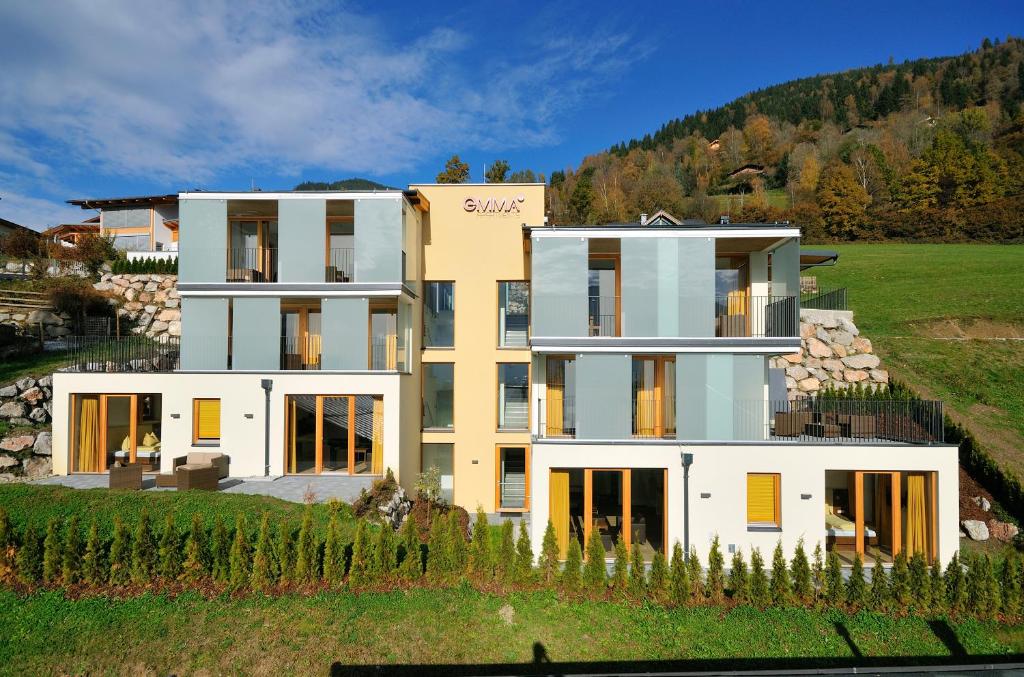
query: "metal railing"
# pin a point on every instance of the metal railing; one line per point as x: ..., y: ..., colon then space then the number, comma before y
x: 131, y: 354
x: 654, y: 418
x: 512, y: 493
x: 602, y: 315
x: 300, y: 353
x: 384, y: 353
x: 556, y: 417
x: 252, y: 264
x: 340, y: 265
x: 825, y: 299
x: 739, y: 315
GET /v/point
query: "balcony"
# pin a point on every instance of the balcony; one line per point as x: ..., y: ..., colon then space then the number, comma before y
x: 252, y: 264
x: 654, y: 418
x: 304, y: 353
x: 738, y: 315
x: 126, y: 354
x: 340, y: 265
x: 603, y: 315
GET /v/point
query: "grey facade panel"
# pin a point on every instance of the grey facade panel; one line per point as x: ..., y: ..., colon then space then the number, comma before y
x: 302, y: 238
x: 696, y: 286
x: 749, y: 378
x: 204, y: 334
x: 559, y: 287
x: 202, y: 241
x: 604, y: 396
x: 255, y: 329
x: 640, y: 286
x: 345, y: 331
x: 786, y: 269
x: 691, y: 402
x: 378, y: 240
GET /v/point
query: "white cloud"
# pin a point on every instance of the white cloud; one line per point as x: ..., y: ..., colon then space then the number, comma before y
x: 37, y: 213
x: 185, y: 92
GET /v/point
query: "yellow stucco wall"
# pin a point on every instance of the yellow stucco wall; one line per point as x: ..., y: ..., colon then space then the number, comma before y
x: 476, y: 249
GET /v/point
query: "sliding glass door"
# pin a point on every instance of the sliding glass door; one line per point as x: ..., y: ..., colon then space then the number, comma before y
x: 334, y: 434
x: 115, y: 428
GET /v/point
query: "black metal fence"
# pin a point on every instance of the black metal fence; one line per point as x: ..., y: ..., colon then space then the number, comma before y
x: 739, y: 315
x: 849, y: 420
x: 825, y: 299
x: 132, y: 354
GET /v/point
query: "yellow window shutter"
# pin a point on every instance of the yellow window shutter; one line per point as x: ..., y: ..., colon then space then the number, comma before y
x: 761, y: 499
x: 208, y: 419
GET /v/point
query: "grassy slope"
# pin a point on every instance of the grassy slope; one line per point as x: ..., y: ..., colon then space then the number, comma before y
x: 306, y: 635
x: 902, y: 293
x: 33, y: 365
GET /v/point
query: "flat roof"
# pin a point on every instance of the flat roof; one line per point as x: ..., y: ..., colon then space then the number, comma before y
x: 131, y: 201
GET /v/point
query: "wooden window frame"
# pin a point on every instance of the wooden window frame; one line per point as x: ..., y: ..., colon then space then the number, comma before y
x: 896, y: 499
x: 201, y: 441
x: 103, y: 403
x: 777, y: 488
x: 497, y: 398
x: 661, y: 363
x: 547, y: 395
x: 616, y: 257
x: 318, y: 464
x: 303, y: 337
x: 380, y: 306
x: 627, y: 504
x: 497, y: 476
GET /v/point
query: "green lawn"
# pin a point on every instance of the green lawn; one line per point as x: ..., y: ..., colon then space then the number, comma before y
x: 38, y: 503
x: 40, y: 364
x: 912, y: 300
x: 309, y: 635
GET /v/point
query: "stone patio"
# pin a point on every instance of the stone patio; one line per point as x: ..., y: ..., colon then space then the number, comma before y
x: 289, y: 488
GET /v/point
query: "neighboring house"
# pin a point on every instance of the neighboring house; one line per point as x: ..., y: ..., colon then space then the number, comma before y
x: 8, y: 227
x: 141, y: 226
x: 610, y: 379
x: 68, y: 234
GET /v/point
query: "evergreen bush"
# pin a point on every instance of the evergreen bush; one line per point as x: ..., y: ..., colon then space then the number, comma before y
x: 834, y: 590
x: 170, y: 550
x: 411, y: 567
x: 695, y: 575
x: 659, y: 578
x: 6, y: 545
x: 818, y: 573
x: 620, y: 567
x: 856, y: 591
x: 334, y: 552
x: 739, y: 582
x: 120, y: 554
x: 385, y: 555
x: 637, y: 575
x: 1009, y: 583
x: 263, y: 569
x: 899, y: 580
x: 920, y: 586
x: 359, y: 571
x: 524, y: 556
x: 52, y: 553
x: 307, y: 551
x: 481, y: 564
x: 284, y: 551
x: 220, y: 553
x: 760, y: 594
x: 240, y: 557
x: 937, y: 588
x: 438, y: 567
x: 144, y: 552
x: 548, y: 562
x: 571, y: 578
x: 679, y: 580
x: 880, y: 593
x: 595, y: 577
x: 781, y: 587
x: 505, y: 562
x: 956, y: 585
x: 715, y: 587
x: 92, y: 561
x: 457, y: 547
x: 71, y: 557
x: 800, y: 568
x: 29, y: 559
x: 195, y: 566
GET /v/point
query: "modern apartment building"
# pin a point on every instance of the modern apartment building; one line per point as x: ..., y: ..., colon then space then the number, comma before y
x: 609, y: 378
x: 143, y: 226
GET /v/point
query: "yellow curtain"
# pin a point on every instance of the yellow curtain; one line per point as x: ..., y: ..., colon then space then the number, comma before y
x: 556, y: 397
x: 312, y: 353
x: 377, y: 448
x: 392, y: 351
x: 645, y: 414
x: 917, y: 528
x: 208, y: 419
x: 761, y: 499
x: 89, y: 436
x: 737, y: 302
x: 559, y: 509
x: 668, y: 394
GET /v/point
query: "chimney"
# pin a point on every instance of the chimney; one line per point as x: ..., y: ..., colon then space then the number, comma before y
x: 643, y: 219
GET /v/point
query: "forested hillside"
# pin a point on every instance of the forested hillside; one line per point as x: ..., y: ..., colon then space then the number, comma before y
x: 928, y: 149
x: 345, y: 184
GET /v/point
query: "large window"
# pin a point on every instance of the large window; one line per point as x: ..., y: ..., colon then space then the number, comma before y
x: 108, y: 429
x: 763, y: 500
x: 439, y: 315
x: 440, y: 456
x: 438, y: 395
x: 513, y: 396
x: 559, y: 409
x: 513, y: 478
x: 206, y: 422
x: 513, y: 314
x: 334, y: 433
x: 654, y: 397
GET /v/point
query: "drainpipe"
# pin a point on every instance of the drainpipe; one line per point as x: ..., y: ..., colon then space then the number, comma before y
x: 687, y: 460
x: 267, y: 386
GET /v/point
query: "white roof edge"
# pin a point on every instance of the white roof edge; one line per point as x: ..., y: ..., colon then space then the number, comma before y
x: 681, y: 231
x: 300, y: 195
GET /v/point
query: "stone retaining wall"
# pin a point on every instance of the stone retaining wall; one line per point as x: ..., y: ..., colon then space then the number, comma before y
x: 25, y: 406
x: 150, y: 302
x: 832, y: 353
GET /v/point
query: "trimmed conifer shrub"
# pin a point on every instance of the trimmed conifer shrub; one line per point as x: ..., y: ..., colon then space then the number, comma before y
x: 93, y: 561
x: 982, y: 590
x: 457, y: 546
x: 524, y: 556
x: 659, y: 577
x: 595, y: 578
x: 505, y: 562
x: 637, y: 575
x: 334, y: 552
x: 937, y: 588
x: 52, y: 553
x: 695, y: 574
x: 818, y: 573
x: 359, y: 571
x: 800, y: 569
x: 956, y: 585
x: 548, y: 562
x: 739, y: 580
x: 992, y: 592
x: 1009, y: 583
x: 620, y: 568
x: 144, y: 552
x: 385, y: 555
x: 307, y: 551
x: 834, y: 589
x: 220, y: 553
x: 920, y: 587
x: 170, y: 550
x: 240, y: 557
x: 29, y: 559
x: 284, y: 548
x: 6, y: 545
x: 120, y: 554
x: 438, y: 550
x: 880, y: 593
x: 71, y: 557
x: 715, y: 588
x: 781, y: 587
x: 899, y: 580
x: 263, y: 569
x: 481, y: 563
x: 571, y: 579
x: 196, y: 565
x: 760, y: 594
x: 411, y: 567
x: 679, y: 579
x: 856, y: 590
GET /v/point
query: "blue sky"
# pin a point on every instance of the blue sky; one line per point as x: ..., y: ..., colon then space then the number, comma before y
x: 104, y: 98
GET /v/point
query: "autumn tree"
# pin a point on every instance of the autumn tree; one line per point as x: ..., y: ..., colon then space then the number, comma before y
x: 842, y: 201
x: 455, y: 171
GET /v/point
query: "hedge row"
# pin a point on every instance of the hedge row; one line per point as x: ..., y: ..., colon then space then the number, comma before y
x: 277, y: 559
x: 144, y: 266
